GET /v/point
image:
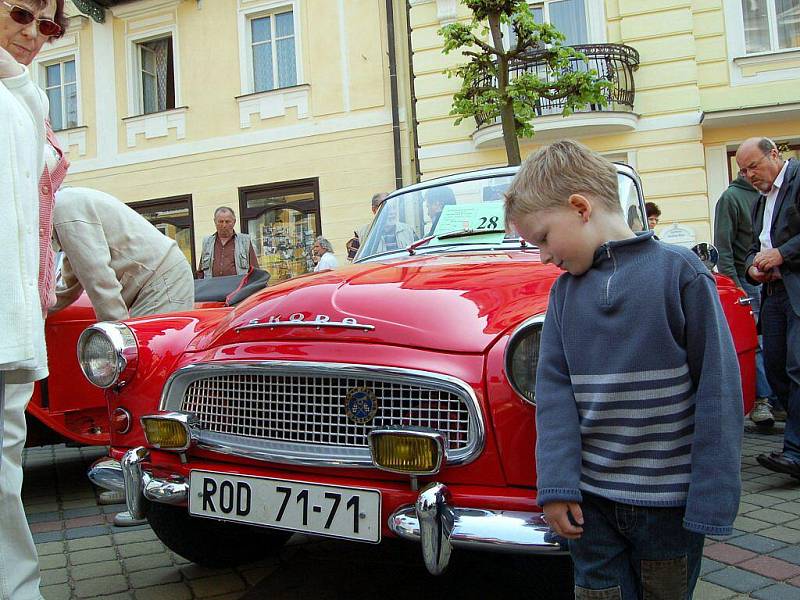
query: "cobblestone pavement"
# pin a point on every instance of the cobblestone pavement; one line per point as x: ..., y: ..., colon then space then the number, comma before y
x: 83, y: 555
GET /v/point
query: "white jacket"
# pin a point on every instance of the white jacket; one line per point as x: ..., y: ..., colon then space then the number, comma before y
x: 23, y: 107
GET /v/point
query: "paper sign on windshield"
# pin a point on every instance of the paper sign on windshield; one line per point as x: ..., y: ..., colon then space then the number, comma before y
x: 481, y: 216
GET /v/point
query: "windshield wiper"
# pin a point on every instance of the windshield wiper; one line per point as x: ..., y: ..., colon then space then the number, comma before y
x: 450, y: 234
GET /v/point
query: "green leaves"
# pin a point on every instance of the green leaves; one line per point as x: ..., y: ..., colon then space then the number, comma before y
x: 542, y: 68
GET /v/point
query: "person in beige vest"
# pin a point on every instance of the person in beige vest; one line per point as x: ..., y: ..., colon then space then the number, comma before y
x: 127, y: 267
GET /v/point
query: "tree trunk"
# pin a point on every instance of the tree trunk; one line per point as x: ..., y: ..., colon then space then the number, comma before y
x: 507, y: 110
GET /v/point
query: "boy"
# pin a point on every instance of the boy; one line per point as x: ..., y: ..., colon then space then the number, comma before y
x: 639, y: 409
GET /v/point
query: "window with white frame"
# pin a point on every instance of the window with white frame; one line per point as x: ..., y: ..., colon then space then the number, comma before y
x: 61, y: 87
x: 771, y: 25
x: 273, y: 50
x: 156, y: 75
x: 568, y: 16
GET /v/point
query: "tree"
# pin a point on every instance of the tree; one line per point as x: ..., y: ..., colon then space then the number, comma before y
x: 488, y: 90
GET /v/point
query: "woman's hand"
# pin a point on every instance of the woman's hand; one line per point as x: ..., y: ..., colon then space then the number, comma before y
x: 9, y: 67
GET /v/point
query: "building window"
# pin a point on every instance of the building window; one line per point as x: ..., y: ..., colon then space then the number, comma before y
x: 156, y: 75
x: 172, y: 217
x: 62, y: 91
x: 771, y: 25
x: 568, y: 16
x: 273, y: 51
x: 283, y: 220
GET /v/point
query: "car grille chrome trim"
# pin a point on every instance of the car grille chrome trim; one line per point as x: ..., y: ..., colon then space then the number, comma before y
x: 293, y: 412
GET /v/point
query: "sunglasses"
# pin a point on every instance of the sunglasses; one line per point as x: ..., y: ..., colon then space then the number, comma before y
x: 25, y: 17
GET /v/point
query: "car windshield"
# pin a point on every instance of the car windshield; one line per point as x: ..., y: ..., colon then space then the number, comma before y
x: 465, y: 213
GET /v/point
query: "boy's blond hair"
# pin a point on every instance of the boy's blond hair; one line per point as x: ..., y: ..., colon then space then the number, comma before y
x: 553, y: 173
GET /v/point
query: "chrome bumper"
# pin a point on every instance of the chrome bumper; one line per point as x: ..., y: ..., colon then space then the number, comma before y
x: 439, y: 527
x: 432, y: 521
x: 139, y: 486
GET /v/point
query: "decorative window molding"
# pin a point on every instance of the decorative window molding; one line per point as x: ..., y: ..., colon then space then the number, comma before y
x: 68, y: 49
x: 156, y: 125
x: 755, y: 68
x: 76, y: 136
x: 142, y: 7
x: 248, y: 12
x: 273, y: 103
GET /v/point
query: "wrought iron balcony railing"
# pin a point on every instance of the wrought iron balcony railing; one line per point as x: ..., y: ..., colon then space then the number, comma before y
x: 613, y: 62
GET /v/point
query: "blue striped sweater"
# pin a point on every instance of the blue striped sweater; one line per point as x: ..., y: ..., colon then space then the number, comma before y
x: 638, y: 390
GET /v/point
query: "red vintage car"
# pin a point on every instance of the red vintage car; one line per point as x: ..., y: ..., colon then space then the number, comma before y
x: 65, y: 406
x: 393, y: 397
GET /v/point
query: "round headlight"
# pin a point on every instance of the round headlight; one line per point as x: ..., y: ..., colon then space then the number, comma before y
x: 107, y: 354
x: 522, y: 357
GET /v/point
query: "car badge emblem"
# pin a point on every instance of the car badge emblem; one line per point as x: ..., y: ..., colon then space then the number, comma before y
x: 361, y: 404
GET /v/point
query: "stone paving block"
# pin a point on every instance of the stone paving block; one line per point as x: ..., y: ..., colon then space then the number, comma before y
x: 147, y: 561
x: 757, y: 543
x: 83, y: 557
x: 48, y: 548
x: 81, y: 512
x: 794, y: 523
x: 60, y: 591
x: 42, y: 517
x: 140, y: 548
x: 125, y: 536
x: 172, y: 591
x: 84, y: 532
x: 214, y: 586
x: 112, y: 509
x: 54, y: 576
x: 784, y: 534
x: 86, y: 521
x: 738, y: 580
x: 115, y: 529
x: 772, y: 515
x: 711, y: 591
x: 83, y: 503
x: 789, y: 554
x: 786, y: 493
x: 41, y: 527
x: 53, y: 561
x: 96, y: 569
x: 48, y: 536
x: 790, y: 507
x: 151, y: 577
x: 779, y: 591
x: 709, y: 565
x: 99, y: 541
x: 771, y: 567
x: 761, y: 499
x: 750, y: 525
x: 725, y: 553
x: 101, y: 586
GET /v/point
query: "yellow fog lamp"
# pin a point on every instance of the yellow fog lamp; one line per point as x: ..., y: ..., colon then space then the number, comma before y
x: 409, y: 450
x: 169, y: 431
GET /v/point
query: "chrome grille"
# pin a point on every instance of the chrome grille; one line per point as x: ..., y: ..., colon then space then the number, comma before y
x: 310, y: 408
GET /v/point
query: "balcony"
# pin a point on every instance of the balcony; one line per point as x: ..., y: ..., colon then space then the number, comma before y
x: 614, y: 62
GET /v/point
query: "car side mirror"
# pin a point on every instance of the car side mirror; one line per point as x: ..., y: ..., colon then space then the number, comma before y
x: 707, y: 253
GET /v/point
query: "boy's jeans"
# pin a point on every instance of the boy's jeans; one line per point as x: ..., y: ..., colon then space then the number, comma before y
x: 634, y: 552
x: 762, y: 386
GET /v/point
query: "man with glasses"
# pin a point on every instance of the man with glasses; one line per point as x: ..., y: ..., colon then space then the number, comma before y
x: 774, y: 262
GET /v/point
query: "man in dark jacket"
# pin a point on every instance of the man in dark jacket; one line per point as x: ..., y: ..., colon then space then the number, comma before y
x: 774, y: 261
x: 733, y: 237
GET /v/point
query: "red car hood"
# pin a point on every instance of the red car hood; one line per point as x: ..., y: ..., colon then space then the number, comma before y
x: 449, y: 302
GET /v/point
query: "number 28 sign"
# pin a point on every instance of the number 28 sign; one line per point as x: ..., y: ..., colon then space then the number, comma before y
x: 475, y: 218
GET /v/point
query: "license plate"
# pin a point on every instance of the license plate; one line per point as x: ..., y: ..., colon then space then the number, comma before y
x: 342, y: 512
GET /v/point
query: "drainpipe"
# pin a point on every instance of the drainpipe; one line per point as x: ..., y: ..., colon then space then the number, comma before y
x: 417, y: 174
x: 398, y: 163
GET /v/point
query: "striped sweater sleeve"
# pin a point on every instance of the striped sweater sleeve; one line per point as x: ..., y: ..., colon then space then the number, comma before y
x: 717, y: 443
x: 558, y: 435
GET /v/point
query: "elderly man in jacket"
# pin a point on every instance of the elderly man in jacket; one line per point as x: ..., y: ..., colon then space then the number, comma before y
x: 226, y: 252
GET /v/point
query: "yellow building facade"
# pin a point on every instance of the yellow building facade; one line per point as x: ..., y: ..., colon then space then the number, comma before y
x: 284, y: 110
x: 703, y: 75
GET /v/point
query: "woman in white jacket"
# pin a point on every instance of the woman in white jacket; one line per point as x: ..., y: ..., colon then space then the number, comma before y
x: 24, y: 27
